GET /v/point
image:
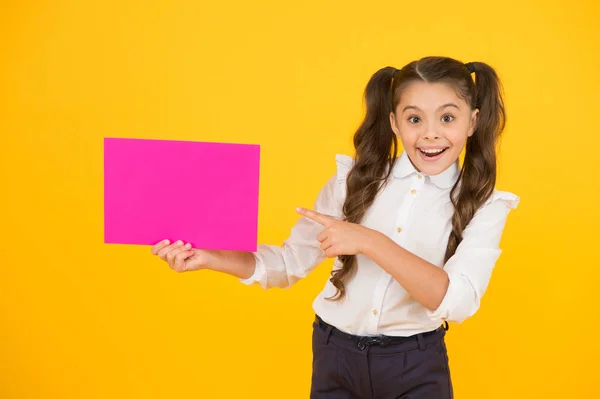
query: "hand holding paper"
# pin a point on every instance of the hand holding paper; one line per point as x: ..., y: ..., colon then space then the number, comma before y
x: 181, y: 257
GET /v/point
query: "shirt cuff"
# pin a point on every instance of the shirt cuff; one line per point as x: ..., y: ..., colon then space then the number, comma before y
x: 441, y: 313
x: 260, y: 273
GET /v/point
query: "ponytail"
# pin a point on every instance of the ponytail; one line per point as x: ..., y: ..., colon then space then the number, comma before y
x: 376, y: 148
x: 478, y: 174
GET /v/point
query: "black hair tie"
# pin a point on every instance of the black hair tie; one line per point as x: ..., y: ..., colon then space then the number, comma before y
x: 471, y: 67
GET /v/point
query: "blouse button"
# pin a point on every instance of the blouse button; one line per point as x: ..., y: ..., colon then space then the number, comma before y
x: 413, y: 191
x: 398, y: 229
x: 374, y: 312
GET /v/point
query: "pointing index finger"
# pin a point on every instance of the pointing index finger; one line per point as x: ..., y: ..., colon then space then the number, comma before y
x: 323, y: 220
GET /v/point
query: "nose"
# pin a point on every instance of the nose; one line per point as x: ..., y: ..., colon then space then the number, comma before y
x: 431, y: 133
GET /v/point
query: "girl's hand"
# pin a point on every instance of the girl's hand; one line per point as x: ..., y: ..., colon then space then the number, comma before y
x: 339, y: 237
x: 181, y: 258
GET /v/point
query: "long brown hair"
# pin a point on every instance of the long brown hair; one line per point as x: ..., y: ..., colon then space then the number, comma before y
x: 376, y: 145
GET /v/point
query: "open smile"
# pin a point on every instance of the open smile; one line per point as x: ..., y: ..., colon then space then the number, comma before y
x: 431, y: 154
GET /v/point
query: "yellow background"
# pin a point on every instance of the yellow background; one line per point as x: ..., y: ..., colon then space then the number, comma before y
x: 80, y: 319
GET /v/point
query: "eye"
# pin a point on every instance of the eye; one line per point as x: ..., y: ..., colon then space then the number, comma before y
x: 414, y: 119
x: 447, y: 118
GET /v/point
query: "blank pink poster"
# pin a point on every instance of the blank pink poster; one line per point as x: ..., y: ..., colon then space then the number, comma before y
x: 202, y: 193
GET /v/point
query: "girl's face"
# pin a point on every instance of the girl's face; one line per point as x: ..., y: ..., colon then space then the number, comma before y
x: 433, y: 124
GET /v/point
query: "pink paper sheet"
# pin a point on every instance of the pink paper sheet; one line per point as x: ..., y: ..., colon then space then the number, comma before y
x: 202, y: 193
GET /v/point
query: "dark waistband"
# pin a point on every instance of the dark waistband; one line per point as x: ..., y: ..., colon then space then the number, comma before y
x: 382, y: 340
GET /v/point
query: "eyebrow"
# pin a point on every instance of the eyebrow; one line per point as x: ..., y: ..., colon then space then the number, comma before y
x: 440, y: 108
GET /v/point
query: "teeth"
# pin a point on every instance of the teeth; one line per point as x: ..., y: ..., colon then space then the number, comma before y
x: 432, y: 151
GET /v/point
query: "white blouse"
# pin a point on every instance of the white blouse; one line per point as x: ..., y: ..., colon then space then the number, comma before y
x: 415, y: 211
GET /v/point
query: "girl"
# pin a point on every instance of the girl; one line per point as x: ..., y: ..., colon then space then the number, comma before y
x: 415, y: 237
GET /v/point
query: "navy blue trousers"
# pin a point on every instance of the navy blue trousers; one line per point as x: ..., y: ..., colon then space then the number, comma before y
x: 348, y: 367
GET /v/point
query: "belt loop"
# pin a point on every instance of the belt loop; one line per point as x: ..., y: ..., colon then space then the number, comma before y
x: 328, y: 331
x: 327, y: 328
x: 446, y: 325
x: 421, y: 342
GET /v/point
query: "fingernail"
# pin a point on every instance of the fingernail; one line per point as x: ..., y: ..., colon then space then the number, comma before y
x: 166, y: 242
x: 188, y: 246
x: 179, y: 243
x: 298, y: 209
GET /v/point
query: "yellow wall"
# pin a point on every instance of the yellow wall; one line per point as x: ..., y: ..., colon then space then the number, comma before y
x: 80, y: 319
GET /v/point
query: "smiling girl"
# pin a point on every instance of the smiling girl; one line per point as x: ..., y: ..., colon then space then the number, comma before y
x: 415, y: 237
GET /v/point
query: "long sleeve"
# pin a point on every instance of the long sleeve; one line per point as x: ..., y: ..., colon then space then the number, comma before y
x: 282, y: 266
x: 470, y: 268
